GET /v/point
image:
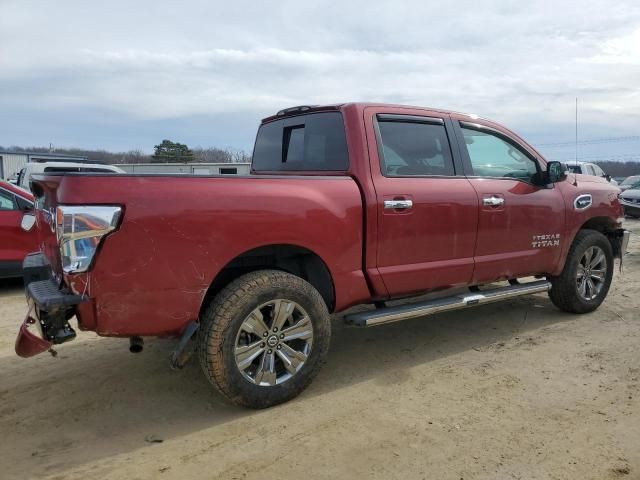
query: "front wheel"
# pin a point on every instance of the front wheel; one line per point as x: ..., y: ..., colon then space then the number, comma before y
x: 263, y: 338
x: 585, y: 280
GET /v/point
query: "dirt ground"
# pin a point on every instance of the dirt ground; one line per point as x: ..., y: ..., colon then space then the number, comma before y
x: 512, y: 390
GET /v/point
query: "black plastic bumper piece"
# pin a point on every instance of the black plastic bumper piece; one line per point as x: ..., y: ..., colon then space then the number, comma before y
x: 47, y: 296
x: 55, y: 305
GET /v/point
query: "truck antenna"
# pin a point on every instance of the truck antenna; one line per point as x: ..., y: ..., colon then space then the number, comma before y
x: 576, y: 130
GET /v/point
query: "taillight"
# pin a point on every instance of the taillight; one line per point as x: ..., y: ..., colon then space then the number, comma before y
x: 80, y: 230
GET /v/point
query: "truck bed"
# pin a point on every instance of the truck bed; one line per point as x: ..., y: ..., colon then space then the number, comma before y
x: 178, y: 232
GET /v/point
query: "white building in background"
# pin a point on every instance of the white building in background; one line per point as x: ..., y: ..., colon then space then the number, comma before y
x: 188, y: 168
x: 12, y: 162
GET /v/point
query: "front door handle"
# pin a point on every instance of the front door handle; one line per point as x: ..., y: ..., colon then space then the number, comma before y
x: 493, y: 201
x: 398, y: 204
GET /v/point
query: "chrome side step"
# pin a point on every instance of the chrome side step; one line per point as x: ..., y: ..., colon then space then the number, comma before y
x: 446, y: 304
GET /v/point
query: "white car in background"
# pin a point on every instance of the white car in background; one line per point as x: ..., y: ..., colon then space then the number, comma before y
x: 586, y: 168
x: 630, y: 199
x: 53, y: 167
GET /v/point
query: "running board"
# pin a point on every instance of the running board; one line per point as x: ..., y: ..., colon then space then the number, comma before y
x: 446, y: 304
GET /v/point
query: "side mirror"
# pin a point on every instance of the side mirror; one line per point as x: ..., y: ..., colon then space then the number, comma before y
x: 28, y: 221
x: 608, y: 177
x: 556, y: 172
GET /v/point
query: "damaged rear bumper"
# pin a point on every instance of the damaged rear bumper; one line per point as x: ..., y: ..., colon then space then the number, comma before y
x: 50, y: 309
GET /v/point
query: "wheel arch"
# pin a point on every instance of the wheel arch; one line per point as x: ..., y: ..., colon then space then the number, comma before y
x: 609, y: 227
x: 294, y: 259
x: 603, y: 224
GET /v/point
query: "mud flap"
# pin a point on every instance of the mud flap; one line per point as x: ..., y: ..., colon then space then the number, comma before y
x: 30, y: 339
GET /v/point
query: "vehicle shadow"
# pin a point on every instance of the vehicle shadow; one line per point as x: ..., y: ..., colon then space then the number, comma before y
x: 58, y: 410
x: 10, y: 284
x: 381, y: 352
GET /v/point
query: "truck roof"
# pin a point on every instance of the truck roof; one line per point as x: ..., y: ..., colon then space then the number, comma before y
x: 302, y: 109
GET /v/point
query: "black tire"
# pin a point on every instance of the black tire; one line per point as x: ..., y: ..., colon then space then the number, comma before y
x: 221, y: 323
x: 564, y: 289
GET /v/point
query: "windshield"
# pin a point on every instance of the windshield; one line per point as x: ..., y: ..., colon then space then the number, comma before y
x: 631, y: 180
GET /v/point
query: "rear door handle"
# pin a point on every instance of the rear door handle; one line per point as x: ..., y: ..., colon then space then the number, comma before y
x: 493, y: 201
x: 398, y: 204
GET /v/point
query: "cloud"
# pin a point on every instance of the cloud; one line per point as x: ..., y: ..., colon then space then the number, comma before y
x: 143, y: 62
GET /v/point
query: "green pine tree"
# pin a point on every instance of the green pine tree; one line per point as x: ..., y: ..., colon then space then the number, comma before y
x: 168, y: 152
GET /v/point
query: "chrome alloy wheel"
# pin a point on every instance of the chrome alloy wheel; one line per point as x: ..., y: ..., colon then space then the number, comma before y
x: 591, y: 273
x: 273, y: 342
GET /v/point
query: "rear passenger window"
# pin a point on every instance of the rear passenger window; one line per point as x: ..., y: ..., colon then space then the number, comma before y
x: 309, y: 142
x: 414, y: 148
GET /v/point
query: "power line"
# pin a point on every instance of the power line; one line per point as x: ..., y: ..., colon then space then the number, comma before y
x: 629, y: 138
x: 602, y: 158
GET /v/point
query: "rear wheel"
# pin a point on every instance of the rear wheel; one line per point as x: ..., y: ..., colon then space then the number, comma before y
x: 263, y: 338
x: 585, y: 280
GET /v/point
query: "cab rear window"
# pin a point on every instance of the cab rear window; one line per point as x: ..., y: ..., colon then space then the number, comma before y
x: 313, y: 142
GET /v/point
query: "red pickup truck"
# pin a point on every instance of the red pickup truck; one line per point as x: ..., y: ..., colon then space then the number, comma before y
x: 345, y: 205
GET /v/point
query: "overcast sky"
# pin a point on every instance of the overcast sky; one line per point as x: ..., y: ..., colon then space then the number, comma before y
x: 123, y: 75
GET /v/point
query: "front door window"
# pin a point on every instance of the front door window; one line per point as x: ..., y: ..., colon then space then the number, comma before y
x: 491, y: 156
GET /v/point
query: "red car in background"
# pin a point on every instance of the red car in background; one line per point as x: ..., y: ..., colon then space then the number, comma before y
x: 17, y: 235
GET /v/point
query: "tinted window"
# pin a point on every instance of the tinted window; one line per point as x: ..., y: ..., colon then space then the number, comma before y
x: 414, y: 149
x: 306, y: 142
x: 7, y: 201
x: 574, y: 168
x: 491, y: 156
x: 228, y: 170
